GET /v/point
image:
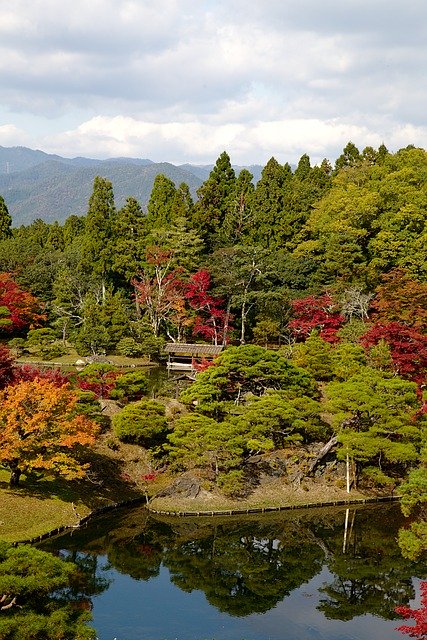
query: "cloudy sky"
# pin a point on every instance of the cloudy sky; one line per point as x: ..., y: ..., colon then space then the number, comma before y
x: 183, y: 80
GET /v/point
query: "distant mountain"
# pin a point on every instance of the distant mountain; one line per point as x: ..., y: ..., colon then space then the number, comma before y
x: 36, y: 184
x: 53, y: 190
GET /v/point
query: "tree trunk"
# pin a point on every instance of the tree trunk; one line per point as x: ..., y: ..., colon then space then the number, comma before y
x: 226, y: 323
x: 322, y: 453
x: 347, y: 475
x: 137, y: 305
x: 243, y: 323
x: 15, y: 474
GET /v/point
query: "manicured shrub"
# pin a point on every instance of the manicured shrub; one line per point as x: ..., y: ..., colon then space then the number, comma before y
x: 142, y: 423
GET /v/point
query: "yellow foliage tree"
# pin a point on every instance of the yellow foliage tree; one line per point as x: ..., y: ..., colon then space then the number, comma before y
x: 41, y: 430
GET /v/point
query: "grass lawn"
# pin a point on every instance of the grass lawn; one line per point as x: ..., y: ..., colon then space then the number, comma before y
x: 30, y: 510
x: 42, y: 504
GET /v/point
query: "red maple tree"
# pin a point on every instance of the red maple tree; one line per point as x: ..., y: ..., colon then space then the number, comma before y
x: 24, y: 309
x: 28, y: 372
x: 408, y: 348
x: 98, y: 378
x: 212, y: 320
x: 316, y: 313
x: 419, y: 629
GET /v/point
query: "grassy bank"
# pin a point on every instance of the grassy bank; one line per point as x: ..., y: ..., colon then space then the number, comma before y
x: 274, y: 494
x: 117, y: 474
x: 41, y: 505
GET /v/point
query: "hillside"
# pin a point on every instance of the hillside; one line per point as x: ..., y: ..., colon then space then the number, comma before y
x: 35, y: 184
x: 54, y: 190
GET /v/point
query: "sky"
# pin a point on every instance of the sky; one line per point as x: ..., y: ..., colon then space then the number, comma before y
x: 183, y: 80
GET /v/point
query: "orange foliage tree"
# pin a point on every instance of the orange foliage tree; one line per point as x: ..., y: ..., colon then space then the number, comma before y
x: 401, y: 298
x: 41, y: 430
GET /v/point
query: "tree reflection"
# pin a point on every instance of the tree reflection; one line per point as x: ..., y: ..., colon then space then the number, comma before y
x: 369, y: 573
x: 242, y: 570
x: 247, y: 566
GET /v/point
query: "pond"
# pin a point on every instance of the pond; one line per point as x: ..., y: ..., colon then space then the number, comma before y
x: 314, y: 574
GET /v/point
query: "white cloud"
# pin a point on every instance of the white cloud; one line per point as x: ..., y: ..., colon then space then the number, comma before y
x: 183, y: 79
x: 12, y: 136
x: 202, y: 142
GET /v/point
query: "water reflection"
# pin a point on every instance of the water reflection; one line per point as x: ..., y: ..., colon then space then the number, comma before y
x: 247, y: 566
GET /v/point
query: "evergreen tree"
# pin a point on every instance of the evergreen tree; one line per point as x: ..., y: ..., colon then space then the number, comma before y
x: 241, y: 276
x: 73, y: 228
x: 55, y: 238
x: 182, y: 206
x: 268, y: 204
x: 98, y: 230
x: 214, y: 200
x: 303, y: 169
x: 238, y: 219
x: 183, y: 244
x: 161, y: 203
x: 130, y: 235
x: 5, y: 221
x: 349, y: 157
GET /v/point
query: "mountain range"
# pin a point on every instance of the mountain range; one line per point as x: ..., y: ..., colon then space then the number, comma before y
x: 35, y: 184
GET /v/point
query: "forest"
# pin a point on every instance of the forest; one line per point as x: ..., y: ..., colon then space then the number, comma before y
x: 314, y: 280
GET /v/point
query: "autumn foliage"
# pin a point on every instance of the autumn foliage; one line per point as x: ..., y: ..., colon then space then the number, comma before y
x: 419, y: 616
x: 99, y: 378
x: 23, y: 309
x: 6, y: 367
x: 408, y: 348
x: 318, y: 313
x: 401, y: 299
x: 28, y: 372
x: 211, y: 318
x: 41, y: 431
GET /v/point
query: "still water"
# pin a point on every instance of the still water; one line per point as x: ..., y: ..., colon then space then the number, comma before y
x: 323, y: 574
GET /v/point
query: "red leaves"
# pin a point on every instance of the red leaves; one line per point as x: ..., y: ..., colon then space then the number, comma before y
x: 170, y: 299
x: 100, y: 379
x: 159, y: 289
x: 316, y: 313
x: 408, y: 348
x: 419, y: 629
x: 203, y: 365
x: 24, y: 309
x: 212, y: 319
x: 28, y: 372
x: 149, y: 477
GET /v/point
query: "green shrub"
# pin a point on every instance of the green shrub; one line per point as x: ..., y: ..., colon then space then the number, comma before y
x: 377, y: 476
x: 129, y: 347
x: 142, y: 423
x: 131, y: 385
x: 231, y: 483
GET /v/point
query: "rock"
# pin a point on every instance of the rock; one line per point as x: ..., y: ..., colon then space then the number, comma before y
x: 272, y: 466
x: 184, y: 487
